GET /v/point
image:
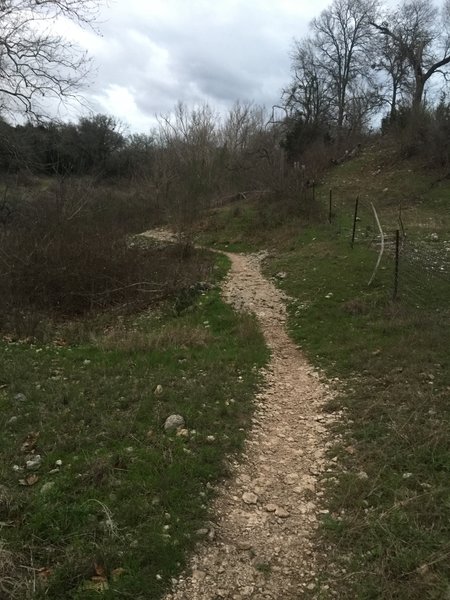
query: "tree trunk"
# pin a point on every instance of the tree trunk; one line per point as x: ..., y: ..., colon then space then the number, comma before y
x: 418, y: 91
x: 393, y: 113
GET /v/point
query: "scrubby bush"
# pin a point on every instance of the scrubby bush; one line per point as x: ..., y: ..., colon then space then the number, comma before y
x: 423, y: 133
x: 69, y: 250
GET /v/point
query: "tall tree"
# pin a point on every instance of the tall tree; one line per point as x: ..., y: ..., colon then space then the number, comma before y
x: 37, y: 62
x: 420, y: 31
x: 393, y: 61
x: 308, y: 95
x: 343, y: 41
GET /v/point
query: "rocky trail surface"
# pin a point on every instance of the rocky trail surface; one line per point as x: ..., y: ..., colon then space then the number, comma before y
x: 261, y: 544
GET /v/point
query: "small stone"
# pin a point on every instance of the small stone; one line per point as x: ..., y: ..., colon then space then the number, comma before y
x: 47, y: 487
x: 198, y: 575
x: 244, y: 545
x: 282, y: 513
x: 362, y: 475
x: 202, y: 532
x: 158, y: 390
x: 183, y: 433
x: 12, y: 420
x: 20, y: 397
x: 250, y: 498
x: 58, y: 463
x: 210, y: 438
x: 292, y: 478
x: 271, y: 507
x: 34, y: 462
x: 174, y: 422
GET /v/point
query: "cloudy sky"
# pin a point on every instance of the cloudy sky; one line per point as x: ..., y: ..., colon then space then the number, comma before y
x: 153, y: 53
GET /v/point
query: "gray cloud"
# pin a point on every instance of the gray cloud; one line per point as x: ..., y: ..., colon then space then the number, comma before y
x: 153, y: 53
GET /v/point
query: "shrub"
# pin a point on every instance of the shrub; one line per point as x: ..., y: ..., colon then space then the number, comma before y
x: 68, y: 251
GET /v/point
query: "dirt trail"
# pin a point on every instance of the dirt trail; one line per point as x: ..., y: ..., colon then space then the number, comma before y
x: 261, y: 545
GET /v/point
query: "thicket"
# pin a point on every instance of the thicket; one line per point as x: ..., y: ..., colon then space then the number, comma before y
x: 70, y: 249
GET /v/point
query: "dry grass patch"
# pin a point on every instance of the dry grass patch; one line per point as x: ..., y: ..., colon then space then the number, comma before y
x: 171, y: 336
x: 14, y: 585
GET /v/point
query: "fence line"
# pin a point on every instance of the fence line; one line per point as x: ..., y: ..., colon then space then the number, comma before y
x: 420, y: 265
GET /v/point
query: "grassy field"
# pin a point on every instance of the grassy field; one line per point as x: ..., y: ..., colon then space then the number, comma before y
x: 388, y: 526
x: 116, y: 503
x: 387, y: 532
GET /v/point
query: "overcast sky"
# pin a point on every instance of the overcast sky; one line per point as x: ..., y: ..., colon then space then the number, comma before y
x: 153, y: 53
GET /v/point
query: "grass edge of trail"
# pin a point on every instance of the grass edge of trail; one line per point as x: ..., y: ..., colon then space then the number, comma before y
x: 386, y: 534
x: 120, y: 515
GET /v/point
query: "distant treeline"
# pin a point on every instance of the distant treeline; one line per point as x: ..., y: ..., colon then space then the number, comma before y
x: 92, y: 146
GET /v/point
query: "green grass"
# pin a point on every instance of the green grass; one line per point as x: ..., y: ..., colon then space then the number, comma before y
x: 388, y: 528
x: 128, y: 496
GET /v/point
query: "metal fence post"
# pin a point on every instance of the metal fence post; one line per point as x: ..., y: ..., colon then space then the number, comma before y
x: 354, y: 221
x: 397, y: 262
x: 330, y: 215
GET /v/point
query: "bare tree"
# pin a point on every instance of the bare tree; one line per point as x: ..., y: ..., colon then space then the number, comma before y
x: 186, y: 161
x: 308, y: 95
x: 420, y: 31
x: 343, y: 41
x: 393, y: 61
x: 242, y: 122
x: 36, y: 62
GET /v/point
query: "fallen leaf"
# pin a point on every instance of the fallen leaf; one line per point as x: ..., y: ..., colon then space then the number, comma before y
x: 100, y: 570
x: 30, y: 480
x: 30, y: 441
x: 45, y: 572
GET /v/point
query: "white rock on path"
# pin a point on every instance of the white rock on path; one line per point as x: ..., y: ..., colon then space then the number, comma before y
x: 250, y: 498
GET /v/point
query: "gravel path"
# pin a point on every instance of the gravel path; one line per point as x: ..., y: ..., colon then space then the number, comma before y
x: 261, y: 544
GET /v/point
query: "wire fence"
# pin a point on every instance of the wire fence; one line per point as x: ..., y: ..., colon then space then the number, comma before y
x: 419, y: 262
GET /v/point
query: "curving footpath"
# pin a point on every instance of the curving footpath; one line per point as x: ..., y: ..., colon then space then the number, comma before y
x: 261, y: 544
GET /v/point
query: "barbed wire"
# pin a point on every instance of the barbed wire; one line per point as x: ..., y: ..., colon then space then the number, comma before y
x: 421, y: 263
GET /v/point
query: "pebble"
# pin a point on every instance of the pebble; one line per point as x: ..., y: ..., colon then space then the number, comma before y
x: 202, y: 532
x: 34, y: 462
x: 282, y: 513
x: 250, y: 498
x: 174, y: 422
